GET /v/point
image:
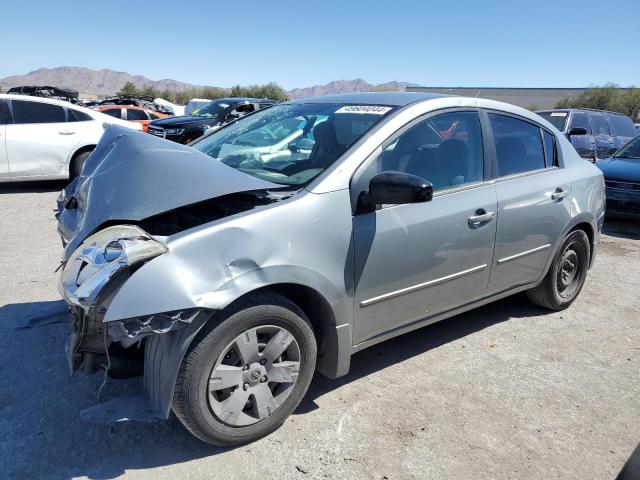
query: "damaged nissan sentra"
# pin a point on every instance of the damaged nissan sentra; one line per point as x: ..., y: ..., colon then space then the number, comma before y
x: 227, y: 272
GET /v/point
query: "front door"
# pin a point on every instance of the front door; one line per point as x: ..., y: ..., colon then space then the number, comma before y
x: 585, y: 145
x: 534, y: 201
x: 39, y: 140
x: 604, y: 140
x: 414, y: 261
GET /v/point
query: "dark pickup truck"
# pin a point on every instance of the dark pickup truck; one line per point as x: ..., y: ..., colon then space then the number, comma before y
x: 593, y: 133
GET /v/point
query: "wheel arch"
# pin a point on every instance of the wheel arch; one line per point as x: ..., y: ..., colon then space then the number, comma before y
x: 583, y: 221
x: 334, y: 343
x: 85, y: 148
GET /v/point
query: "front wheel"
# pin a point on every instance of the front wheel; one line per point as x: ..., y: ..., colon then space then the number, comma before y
x: 241, y: 379
x: 566, y: 275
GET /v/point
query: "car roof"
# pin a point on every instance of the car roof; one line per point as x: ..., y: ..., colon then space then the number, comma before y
x: 393, y: 99
x: 243, y: 100
x: 53, y: 101
x: 129, y: 107
x: 593, y: 110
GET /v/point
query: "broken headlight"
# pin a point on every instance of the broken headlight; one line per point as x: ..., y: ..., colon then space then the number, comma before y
x: 102, y: 255
x: 136, y: 328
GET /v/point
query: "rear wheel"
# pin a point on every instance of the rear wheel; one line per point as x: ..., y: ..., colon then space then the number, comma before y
x: 77, y: 162
x: 567, y: 274
x: 241, y: 379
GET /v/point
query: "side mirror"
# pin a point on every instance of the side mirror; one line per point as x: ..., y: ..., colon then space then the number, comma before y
x: 577, y: 131
x: 394, y: 188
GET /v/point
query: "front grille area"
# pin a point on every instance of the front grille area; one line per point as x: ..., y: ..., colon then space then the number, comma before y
x: 618, y: 185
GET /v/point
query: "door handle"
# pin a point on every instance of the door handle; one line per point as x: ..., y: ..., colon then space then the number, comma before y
x: 66, y: 132
x: 481, y: 217
x: 558, y: 194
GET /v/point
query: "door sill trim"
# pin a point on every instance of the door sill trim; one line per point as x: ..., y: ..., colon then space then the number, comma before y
x: 523, y: 254
x: 420, y: 286
x: 400, y: 330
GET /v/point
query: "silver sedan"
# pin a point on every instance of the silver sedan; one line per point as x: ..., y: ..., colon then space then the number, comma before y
x: 292, y: 238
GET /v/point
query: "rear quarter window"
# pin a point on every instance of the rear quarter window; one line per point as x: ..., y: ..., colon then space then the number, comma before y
x: 77, y: 116
x: 622, y: 126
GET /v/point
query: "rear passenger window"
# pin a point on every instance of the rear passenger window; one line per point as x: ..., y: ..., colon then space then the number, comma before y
x: 135, y: 114
x: 580, y: 120
x: 77, y: 116
x: 518, y: 145
x: 36, y: 112
x: 446, y: 150
x: 623, y: 126
x: 113, y: 112
x: 600, y: 126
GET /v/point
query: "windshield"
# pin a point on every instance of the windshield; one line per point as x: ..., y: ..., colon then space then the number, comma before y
x: 290, y: 144
x: 557, y: 119
x: 211, y: 109
x: 631, y: 150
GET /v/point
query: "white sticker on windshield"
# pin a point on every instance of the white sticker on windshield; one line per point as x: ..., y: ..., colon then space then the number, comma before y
x: 558, y: 114
x: 371, y: 109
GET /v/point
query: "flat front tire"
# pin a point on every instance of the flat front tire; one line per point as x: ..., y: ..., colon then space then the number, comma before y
x: 566, y: 275
x: 242, y: 377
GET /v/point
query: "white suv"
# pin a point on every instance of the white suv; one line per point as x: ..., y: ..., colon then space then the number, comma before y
x: 46, y: 139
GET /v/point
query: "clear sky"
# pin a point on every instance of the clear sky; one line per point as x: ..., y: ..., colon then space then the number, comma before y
x: 541, y: 43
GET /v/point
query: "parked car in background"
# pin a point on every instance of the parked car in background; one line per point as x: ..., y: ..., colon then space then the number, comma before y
x: 214, y: 114
x: 44, y: 139
x: 240, y: 268
x: 170, y: 107
x: 141, y: 115
x: 195, y: 103
x: 622, y: 180
x: 593, y: 133
x: 137, y: 101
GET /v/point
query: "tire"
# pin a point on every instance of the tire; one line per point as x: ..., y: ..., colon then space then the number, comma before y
x: 566, y: 275
x: 204, y: 409
x: 77, y: 162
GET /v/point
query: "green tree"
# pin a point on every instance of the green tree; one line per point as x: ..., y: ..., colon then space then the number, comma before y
x: 150, y: 91
x: 628, y: 102
x: 608, y: 97
x: 128, y: 89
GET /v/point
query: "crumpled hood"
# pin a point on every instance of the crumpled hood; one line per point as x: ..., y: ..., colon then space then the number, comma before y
x: 623, y: 169
x: 131, y: 176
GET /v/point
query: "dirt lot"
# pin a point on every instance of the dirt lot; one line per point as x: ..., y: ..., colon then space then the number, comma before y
x: 506, y: 391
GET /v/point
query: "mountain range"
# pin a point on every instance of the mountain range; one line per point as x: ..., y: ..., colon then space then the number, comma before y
x: 108, y: 82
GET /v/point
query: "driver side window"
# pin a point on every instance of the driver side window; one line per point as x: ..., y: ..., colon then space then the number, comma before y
x: 444, y: 149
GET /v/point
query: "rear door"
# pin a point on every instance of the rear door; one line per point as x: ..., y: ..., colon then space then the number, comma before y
x: 4, y: 119
x: 602, y: 132
x: 585, y: 145
x: 39, y: 141
x: 534, y: 200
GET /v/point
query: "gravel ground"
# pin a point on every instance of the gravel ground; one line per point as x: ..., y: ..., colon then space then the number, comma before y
x: 506, y: 391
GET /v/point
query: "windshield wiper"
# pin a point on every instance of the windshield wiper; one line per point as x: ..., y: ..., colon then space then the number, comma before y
x: 631, y: 157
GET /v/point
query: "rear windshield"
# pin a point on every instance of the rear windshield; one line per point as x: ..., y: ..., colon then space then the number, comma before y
x: 623, y: 126
x: 557, y: 119
x: 291, y: 144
